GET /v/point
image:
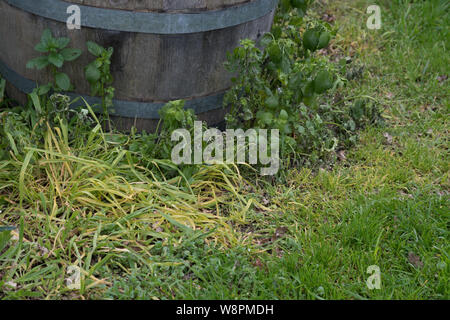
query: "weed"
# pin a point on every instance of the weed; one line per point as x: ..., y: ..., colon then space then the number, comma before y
x: 279, y: 87
x: 56, y: 54
x: 98, y: 74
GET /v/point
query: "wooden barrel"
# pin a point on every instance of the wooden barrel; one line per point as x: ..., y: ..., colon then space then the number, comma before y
x: 163, y: 49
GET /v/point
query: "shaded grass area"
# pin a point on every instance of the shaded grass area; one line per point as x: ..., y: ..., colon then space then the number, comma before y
x: 309, y: 234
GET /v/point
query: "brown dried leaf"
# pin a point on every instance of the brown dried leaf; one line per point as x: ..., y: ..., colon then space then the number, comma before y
x: 415, y: 260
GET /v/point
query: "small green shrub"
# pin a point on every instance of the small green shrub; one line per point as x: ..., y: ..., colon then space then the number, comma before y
x: 282, y: 84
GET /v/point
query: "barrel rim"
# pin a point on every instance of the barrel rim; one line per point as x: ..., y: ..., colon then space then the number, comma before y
x: 150, y: 22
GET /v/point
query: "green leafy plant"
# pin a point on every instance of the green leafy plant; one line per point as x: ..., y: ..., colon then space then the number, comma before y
x: 137, y: 232
x: 173, y: 116
x: 56, y: 54
x: 281, y: 84
x: 146, y: 147
x: 22, y: 127
x: 98, y: 74
x: 300, y: 6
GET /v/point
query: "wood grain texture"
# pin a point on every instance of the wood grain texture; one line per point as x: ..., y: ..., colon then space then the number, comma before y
x: 145, y: 67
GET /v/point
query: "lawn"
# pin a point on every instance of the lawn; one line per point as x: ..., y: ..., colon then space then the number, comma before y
x: 311, y: 232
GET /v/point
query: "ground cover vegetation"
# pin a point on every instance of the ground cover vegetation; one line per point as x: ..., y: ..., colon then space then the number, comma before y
x: 363, y: 118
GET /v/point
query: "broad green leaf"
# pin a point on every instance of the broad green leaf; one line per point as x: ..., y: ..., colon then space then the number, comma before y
x: 308, y: 90
x: 56, y: 59
x: 70, y: 54
x: 95, y: 88
x: 62, y: 81
x: 311, y: 39
x: 94, y: 48
x: 97, y: 63
x: 301, y: 129
x: 46, y: 37
x: 43, y: 90
x: 324, y: 40
x: 265, y: 117
x: 323, y: 82
x: 61, y: 43
x: 41, y: 47
x: 38, y: 63
x: 92, y: 73
x: 272, y: 102
x: 36, y: 102
x: 179, y: 115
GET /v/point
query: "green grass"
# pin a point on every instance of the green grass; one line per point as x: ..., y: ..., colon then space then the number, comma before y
x: 308, y: 235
